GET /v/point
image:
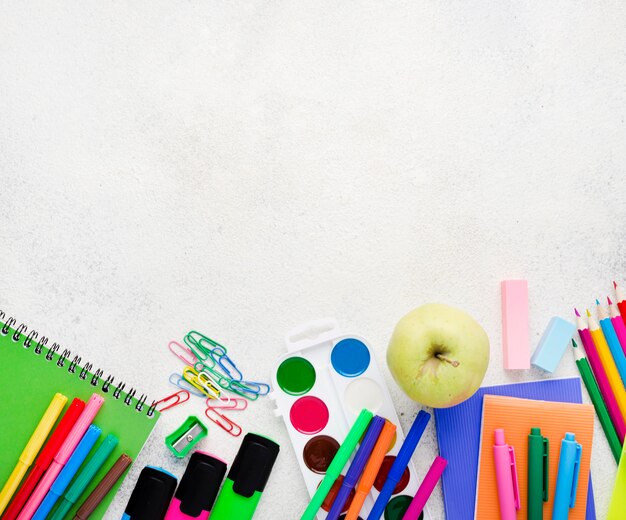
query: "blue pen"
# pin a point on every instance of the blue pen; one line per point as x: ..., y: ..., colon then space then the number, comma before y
x: 68, y: 472
x: 613, y: 342
x: 400, y: 464
x: 567, y: 477
x: 356, y: 468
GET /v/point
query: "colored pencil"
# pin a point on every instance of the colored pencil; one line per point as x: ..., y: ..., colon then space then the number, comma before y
x: 608, y: 363
x: 611, y: 339
x: 618, y: 323
x: 606, y: 389
x: 621, y: 301
x: 598, y: 402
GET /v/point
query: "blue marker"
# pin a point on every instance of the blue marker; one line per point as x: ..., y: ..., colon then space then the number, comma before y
x: 567, y: 477
x: 400, y: 464
x: 67, y: 473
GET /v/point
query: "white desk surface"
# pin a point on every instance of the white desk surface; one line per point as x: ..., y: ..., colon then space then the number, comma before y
x: 243, y: 168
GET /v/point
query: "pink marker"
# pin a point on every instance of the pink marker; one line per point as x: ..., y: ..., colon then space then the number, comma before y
x: 506, y: 477
x: 425, y: 490
x: 60, y: 459
x: 618, y: 324
x: 598, y: 371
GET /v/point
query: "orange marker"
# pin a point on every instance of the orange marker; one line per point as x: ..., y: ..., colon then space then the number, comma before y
x: 371, y: 470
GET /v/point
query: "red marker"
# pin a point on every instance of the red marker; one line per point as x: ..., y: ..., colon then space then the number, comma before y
x: 621, y: 301
x: 45, y: 458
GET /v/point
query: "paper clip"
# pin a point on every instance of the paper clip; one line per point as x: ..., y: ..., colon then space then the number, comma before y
x: 170, y: 401
x: 234, y: 403
x: 210, y: 386
x: 261, y: 388
x: 174, y: 346
x: 179, y: 382
x: 200, y: 352
x: 223, y: 422
x: 221, y: 380
x: 239, y: 389
x: 228, y: 367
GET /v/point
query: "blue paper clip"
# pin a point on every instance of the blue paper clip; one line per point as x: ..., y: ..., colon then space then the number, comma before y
x: 179, y: 382
x: 229, y: 367
x: 238, y: 388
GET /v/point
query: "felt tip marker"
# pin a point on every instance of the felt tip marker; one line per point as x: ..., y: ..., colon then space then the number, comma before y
x: 416, y: 507
x: 246, y: 480
x: 68, y: 472
x: 506, y: 477
x: 356, y: 468
x: 32, y: 448
x: 58, y: 436
x: 198, y: 488
x: 400, y: 464
x: 84, y: 478
x: 61, y: 458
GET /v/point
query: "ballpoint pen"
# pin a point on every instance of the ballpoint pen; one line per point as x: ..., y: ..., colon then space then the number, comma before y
x: 567, y: 477
x: 538, y: 460
x: 506, y: 477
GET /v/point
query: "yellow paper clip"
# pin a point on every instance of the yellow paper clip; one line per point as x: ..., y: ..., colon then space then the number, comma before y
x: 203, y: 383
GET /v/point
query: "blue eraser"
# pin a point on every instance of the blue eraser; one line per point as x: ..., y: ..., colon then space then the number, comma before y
x: 553, y: 343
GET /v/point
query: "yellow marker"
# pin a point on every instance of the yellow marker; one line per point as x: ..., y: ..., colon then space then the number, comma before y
x: 615, y: 381
x: 618, y: 500
x: 32, y: 448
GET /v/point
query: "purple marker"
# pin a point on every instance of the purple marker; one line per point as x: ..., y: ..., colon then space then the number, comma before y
x: 356, y: 468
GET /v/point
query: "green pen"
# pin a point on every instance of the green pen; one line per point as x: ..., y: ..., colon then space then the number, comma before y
x: 85, y: 476
x: 538, y: 450
x: 338, y: 462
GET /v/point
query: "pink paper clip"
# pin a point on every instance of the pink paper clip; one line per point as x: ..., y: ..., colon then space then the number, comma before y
x: 176, y: 348
x: 223, y: 422
x: 235, y: 403
x: 172, y: 400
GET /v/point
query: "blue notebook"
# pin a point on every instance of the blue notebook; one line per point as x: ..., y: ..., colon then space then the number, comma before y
x: 458, y: 433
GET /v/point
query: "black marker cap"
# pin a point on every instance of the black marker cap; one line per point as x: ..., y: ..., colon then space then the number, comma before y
x: 152, y: 494
x: 253, y: 464
x: 200, y: 484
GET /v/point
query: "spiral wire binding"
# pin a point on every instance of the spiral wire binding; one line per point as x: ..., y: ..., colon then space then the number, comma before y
x: 74, y: 363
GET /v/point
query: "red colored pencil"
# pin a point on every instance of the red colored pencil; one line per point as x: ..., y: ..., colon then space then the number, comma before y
x: 621, y: 301
x: 618, y: 324
x: 45, y: 458
x: 603, y: 382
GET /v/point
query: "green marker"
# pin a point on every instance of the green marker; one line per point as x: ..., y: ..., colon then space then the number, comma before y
x: 598, y: 402
x: 242, y: 489
x: 339, y: 461
x: 85, y: 476
x: 538, y: 449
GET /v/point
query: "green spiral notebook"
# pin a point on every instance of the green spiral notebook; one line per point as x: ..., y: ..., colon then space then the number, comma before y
x: 31, y: 372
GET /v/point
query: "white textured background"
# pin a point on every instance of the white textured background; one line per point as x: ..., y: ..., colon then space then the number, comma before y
x: 243, y: 167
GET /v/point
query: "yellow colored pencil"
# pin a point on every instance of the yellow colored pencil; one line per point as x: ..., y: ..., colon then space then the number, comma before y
x: 612, y: 374
x: 32, y: 448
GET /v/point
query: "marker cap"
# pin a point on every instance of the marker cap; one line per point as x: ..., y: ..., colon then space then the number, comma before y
x: 253, y: 464
x: 199, y: 486
x: 152, y: 494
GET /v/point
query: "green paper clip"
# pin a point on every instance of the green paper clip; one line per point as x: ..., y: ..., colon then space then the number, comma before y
x: 190, y: 433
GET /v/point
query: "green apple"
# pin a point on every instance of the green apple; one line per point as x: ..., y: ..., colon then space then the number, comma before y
x: 438, y: 355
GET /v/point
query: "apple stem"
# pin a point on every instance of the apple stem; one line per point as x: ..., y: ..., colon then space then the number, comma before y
x: 453, y: 362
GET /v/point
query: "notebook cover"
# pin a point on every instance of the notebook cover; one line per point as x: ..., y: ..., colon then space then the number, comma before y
x: 458, y: 434
x: 517, y: 417
x: 27, y: 383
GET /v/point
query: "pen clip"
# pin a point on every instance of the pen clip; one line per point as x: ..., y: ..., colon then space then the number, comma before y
x: 546, y: 461
x: 513, y: 464
x: 579, y: 451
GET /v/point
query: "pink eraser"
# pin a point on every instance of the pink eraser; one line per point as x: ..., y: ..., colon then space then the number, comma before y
x: 515, y: 340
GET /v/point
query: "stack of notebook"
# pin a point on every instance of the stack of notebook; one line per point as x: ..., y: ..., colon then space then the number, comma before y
x: 459, y: 432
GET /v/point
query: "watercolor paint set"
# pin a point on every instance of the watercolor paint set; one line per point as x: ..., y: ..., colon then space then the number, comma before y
x: 320, y: 386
